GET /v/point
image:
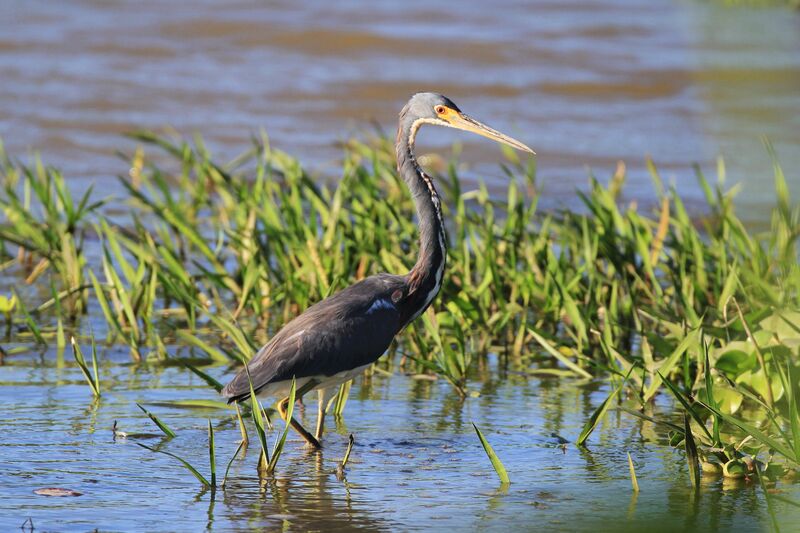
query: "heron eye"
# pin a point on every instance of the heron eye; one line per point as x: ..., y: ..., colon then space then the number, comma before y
x: 440, y: 109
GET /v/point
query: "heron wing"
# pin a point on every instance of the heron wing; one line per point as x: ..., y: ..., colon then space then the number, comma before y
x: 349, y: 329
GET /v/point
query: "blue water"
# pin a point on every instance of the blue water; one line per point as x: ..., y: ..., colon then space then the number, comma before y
x: 585, y: 83
x: 417, y: 463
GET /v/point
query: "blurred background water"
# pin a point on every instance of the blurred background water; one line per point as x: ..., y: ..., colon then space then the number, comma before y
x: 585, y: 83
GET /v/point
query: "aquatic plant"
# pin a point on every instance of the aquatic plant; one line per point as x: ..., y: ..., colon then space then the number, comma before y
x: 92, y: 377
x: 209, y: 484
x: 267, y: 464
x: 499, y: 469
x: 217, y: 256
x: 157, y: 421
x: 48, y: 227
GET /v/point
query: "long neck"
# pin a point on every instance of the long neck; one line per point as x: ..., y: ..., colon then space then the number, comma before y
x: 425, y: 278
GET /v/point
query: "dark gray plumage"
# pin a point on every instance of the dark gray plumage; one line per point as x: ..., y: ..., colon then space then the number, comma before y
x: 337, y: 334
x: 336, y: 338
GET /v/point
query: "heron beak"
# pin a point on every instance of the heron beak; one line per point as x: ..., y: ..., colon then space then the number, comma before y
x: 467, y: 123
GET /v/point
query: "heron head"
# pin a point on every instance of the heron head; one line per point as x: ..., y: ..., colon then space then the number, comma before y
x: 439, y: 110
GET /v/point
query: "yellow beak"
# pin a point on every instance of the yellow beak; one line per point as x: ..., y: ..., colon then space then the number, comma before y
x: 464, y: 122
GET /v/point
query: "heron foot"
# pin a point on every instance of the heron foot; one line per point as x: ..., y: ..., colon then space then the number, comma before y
x: 311, y: 441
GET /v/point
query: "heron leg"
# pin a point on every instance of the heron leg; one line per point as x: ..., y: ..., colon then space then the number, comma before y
x: 283, y: 405
x: 321, y: 411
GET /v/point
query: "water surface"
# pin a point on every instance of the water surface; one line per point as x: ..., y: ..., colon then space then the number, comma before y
x: 417, y: 463
x: 584, y: 83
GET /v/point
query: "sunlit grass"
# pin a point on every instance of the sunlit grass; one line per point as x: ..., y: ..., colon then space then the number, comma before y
x: 92, y: 376
x: 498, y: 466
x: 218, y: 256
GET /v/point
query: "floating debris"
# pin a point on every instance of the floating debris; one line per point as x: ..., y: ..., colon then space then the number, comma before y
x: 55, y: 491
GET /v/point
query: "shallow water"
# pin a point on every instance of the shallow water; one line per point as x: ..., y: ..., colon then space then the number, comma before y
x: 584, y: 83
x: 417, y: 463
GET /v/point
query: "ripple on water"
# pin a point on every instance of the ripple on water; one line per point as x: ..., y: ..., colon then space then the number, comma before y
x: 584, y: 83
x: 416, y: 464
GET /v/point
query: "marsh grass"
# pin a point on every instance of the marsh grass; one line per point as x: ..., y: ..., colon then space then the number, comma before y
x: 499, y: 469
x: 213, y: 383
x: 92, y: 376
x: 340, y: 400
x: 277, y: 450
x: 196, y: 473
x: 692, y: 458
x: 212, y: 455
x: 217, y: 256
x: 340, y: 474
x: 207, y: 483
x: 350, y: 443
x: 632, y: 470
x: 46, y: 223
x: 598, y: 413
x: 259, y: 418
x: 266, y: 463
x: 230, y: 462
x: 157, y: 421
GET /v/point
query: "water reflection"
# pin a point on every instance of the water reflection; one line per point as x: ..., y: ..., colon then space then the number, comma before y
x: 306, y: 496
x: 416, y: 462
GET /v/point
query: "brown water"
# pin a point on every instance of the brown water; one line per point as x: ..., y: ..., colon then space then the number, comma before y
x: 583, y: 82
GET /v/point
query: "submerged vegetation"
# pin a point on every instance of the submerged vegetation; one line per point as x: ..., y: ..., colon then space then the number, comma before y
x: 217, y: 257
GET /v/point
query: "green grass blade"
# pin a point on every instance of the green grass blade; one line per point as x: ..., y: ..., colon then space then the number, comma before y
x: 768, y: 499
x: 185, y: 463
x: 634, y: 481
x: 37, y: 333
x: 496, y: 463
x: 104, y: 305
x: 684, y: 401
x: 258, y: 420
x: 214, y: 353
x: 242, y: 427
x: 341, y: 398
x: 276, y: 452
x: 558, y: 355
x: 598, y: 413
x: 350, y: 443
x: 161, y: 425
x: 228, y: 468
x: 93, y: 382
x: 212, y: 454
x: 192, y: 404
x: 216, y: 385
x: 96, y: 387
x: 670, y: 362
x: 709, y: 384
x: 692, y: 458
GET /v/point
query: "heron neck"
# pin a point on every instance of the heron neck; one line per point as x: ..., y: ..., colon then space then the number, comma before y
x: 425, y: 278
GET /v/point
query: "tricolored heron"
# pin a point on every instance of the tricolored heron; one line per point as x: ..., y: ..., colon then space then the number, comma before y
x: 336, y: 339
